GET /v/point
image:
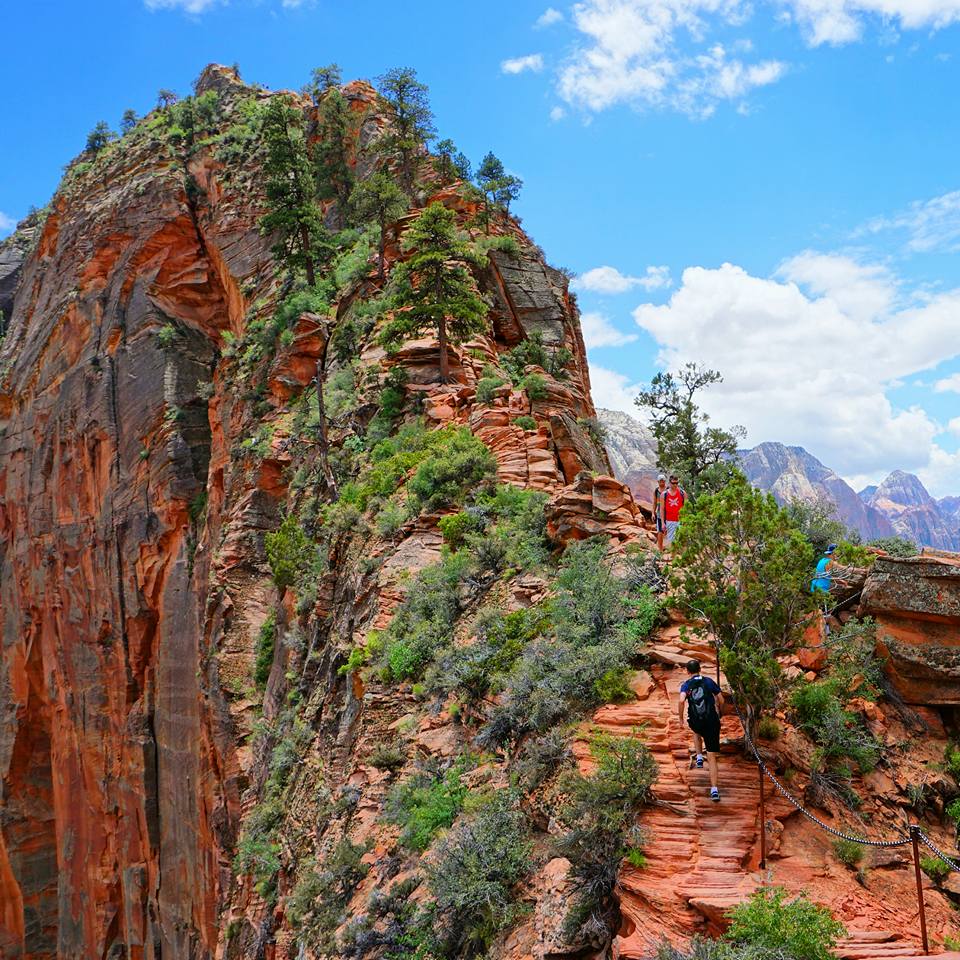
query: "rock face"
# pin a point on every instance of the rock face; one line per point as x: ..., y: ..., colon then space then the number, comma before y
x: 916, y: 604
x: 790, y: 473
x: 13, y: 252
x: 914, y: 514
x: 632, y: 451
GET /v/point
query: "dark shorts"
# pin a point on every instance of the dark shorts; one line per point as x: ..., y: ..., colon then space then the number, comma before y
x: 711, y: 735
x: 660, y: 526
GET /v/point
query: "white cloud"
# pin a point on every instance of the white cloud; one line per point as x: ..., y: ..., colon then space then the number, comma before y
x: 631, y: 55
x: 954, y: 426
x: 611, y: 280
x: 557, y: 113
x: 548, y: 18
x: 598, y: 331
x: 843, y: 21
x: 532, y: 62
x: 188, y: 6
x: 808, y: 356
x: 612, y: 390
x: 949, y: 384
x: 6, y: 222
x: 928, y: 225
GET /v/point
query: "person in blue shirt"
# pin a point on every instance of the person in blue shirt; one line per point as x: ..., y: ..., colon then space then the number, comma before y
x: 821, y: 582
x: 702, y: 699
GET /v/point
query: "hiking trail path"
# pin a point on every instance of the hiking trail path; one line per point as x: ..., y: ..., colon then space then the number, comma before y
x: 703, y: 857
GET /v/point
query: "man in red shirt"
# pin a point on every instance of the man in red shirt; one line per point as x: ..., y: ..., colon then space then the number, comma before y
x: 673, y: 501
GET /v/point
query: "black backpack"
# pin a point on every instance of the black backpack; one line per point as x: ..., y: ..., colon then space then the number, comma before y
x: 703, y: 708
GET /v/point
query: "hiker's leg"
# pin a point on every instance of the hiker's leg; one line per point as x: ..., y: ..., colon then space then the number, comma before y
x: 697, y: 744
x: 712, y: 764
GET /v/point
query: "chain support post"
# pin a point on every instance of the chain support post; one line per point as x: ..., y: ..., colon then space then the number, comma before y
x: 763, y: 819
x: 914, y: 839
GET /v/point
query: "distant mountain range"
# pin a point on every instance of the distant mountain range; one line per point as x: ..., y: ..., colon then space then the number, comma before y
x: 900, y: 506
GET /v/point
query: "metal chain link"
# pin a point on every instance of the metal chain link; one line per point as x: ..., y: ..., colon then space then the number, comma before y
x: 800, y: 807
x: 936, y: 850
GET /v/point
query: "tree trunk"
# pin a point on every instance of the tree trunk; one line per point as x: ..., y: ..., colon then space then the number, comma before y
x: 307, y: 259
x: 444, y: 360
x: 381, y: 247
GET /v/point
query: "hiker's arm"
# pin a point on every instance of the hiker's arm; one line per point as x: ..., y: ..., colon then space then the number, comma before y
x: 683, y: 698
x: 718, y: 699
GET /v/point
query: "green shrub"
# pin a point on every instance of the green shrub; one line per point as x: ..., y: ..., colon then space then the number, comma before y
x: 525, y: 422
x: 953, y: 811
x: 266, y: 641
x: 614, y: 687
x: 289, y: 552
x: 487, y: 387
x: 636, y: 858
x: 388, y: 756
x: 853, y: 555
x: 597, y: 820
x: 951, y: 941
x: 458, y: 466
x: 391, y: 401
x: 951, y: 760
x: 848, y: 852
x: 455, y: 528
x: 935, y: 869
x: 425, y: 804
x: 798, y: 928
x: 895, y: 546
x: 533, y: 352
x: 768, y: 728
x: 535, y: 387
x: 474, y: 875
x: 166, y: 335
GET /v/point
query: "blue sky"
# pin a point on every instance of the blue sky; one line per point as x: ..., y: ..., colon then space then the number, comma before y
x: 770, y: 188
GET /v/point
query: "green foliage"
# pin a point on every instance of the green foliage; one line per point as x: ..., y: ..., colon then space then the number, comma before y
x: 322, y: 81
x: 473, y: 876
x: 450, y: 163
x: 378, y: 200
x: 768, y: 728
x: 525, y: 422
x: 128, y: 121
x: 456, y: 526
x: 316, y: 906
x: 434, y: 288
x: 951, y: 941
x: 817, y: 521
x: 426, y: 804
x: 703, y: 456
x: 951, y: 760
x: 331, y: 150
x: 498, y: 187
x: 503, y: 244
x: 388, y: 756
x: 636, y: 858
x: 166, y: 335
x: 266, y: 642
x: 242, y: 139
x: 935, y: 869
x: 392, y: 397
x: 597, y: 819
x: 741, y: 570
x: 534, y: 386
x: 798, y: 928
x: 464, y: 463
x: 289, y: 552
x: 99, y: 137
x: 411, y: 121
x: 534, y: 352
x: 614, y: 687
x: 853, y: 555
x: 293, y: 215
x: 487, y: 387
x: 895, y: 546
x: 848, y: 852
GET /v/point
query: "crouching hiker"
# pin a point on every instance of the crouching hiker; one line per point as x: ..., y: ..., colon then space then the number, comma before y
x: 703, y: 700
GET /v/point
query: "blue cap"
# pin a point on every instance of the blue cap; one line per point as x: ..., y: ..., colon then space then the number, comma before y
x: 831, y: 548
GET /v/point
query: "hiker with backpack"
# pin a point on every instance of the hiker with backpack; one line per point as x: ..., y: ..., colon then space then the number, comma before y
x: 703, y: 700
x: 658, y: 491
x: 673, y: 500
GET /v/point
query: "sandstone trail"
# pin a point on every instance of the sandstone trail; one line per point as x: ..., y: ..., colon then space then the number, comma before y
x: 236, y: 720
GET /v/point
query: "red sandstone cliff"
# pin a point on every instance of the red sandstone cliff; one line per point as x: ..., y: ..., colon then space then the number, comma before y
x: 146, y: 447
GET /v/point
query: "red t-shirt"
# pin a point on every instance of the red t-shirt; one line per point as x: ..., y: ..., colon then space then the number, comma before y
x: 672, y: 504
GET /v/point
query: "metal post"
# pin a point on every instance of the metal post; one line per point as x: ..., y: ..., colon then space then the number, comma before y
x: 763, y: 821
x: 914, y: 833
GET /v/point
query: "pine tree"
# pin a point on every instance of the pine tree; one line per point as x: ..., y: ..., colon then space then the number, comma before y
x: 128, y: 121
x: 378, y: 200
x: 166, y: 98
x: 331, y: 151
x: 450, y: 163
x: 322, y: 80
x: 99, y: 137
x: 411, y: 121
x: 435, y: 289
x: 499, y: 188
x: 293, y: 213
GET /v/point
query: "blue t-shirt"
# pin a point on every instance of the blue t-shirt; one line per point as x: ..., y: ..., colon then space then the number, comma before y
x: 708, y: 684
x: 823, y: 578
